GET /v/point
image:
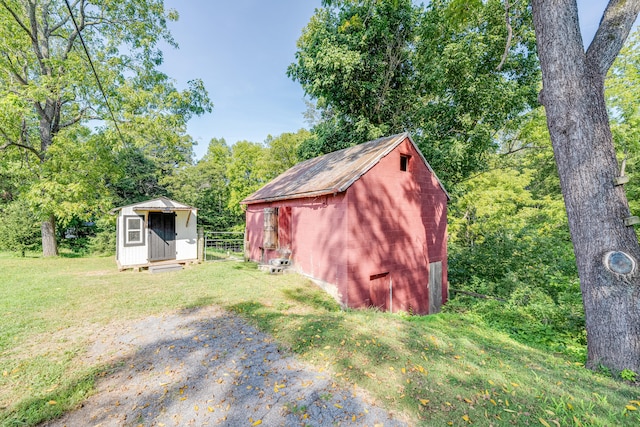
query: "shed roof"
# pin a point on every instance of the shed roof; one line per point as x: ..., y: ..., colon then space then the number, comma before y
x: 332, y: 173
x: 159, y: 204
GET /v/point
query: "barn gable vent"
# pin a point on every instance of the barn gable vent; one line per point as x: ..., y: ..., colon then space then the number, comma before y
x: 404, y: 162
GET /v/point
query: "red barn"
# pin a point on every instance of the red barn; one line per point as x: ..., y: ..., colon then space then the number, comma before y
x: 368, y: 223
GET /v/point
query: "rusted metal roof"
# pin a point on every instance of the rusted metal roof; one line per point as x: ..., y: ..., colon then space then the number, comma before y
x: 330, y: 174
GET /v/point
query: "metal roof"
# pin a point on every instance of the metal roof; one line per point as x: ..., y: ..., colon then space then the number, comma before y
x: 332, y: 173
x: 159, y: 204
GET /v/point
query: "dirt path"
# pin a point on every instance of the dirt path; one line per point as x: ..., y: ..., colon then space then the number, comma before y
x: 206, y: 367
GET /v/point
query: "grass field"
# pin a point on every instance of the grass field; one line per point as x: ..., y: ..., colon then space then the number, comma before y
x: 441, y: 370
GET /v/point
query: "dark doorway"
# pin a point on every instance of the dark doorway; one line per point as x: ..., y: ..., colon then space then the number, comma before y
x: 162, y: 236
x: 379, y: 291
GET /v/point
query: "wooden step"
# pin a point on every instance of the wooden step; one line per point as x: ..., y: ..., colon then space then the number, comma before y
x: 279, y: 262
x: 153, y: 269
x: 276, y: 268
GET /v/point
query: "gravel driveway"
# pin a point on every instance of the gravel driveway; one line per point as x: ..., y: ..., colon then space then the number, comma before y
x: 207, y: 367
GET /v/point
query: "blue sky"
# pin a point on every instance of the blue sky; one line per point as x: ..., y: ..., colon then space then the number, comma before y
x: 241, y: 50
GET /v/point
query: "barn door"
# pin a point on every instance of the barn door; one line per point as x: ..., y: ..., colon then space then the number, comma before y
x: 162, y: 236
x: 379, y: 291
x: 284, y: 228
x: 270, y: 240
x: 435, y: 287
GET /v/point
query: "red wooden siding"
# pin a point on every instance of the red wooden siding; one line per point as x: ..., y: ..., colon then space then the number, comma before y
x: 397, y: 224
x: 374, y: 242
x: 284, y: 228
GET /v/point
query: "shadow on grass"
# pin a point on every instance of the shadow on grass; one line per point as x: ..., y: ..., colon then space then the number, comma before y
x: 53, y: 405
x: 72, y: 255
x: 446, y: 368
x: 313, y: 298
x: 198, y: 303
x: 211, y: 357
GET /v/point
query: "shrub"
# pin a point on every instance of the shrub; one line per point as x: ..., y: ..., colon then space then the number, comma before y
x: 19, y: 228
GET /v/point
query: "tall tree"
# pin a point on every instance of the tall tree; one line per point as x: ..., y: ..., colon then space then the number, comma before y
x: 440, y: 72
x: 474, y: 85
x: 605, y: 246
x: 283, y: 151
x: 47, y: 86
x: 205, y: 185
x: 354, y: 59
x: 247, y: 171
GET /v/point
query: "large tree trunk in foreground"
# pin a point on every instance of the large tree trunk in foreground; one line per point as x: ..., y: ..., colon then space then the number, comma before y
x: 49, y: 243
x: 606, y: 250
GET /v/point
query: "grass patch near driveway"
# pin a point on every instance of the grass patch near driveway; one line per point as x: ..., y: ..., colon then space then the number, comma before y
x: 446, y: 369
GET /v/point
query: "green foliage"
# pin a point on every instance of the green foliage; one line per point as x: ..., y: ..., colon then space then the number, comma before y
x: 510, y: 240
x: 103, y: 242
x: 225, y: 175
x: 283, y: 151
x: 628, y: 375
x: 622, y: 93
x: 19, y: 228
x: 381, y: 67
x: 467, y: 98
x: 71, y: 182
x: 136, y: 177
x: 504, y: 237
x: 48, y: 96
x: 354, y: 59
x: 433, y: 370
x: 205, y: 186
x: 247, y: 172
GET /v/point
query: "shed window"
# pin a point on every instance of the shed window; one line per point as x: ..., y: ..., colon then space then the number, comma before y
x: 133, y: 230
x: 270, y: 240
x: 404, y: 162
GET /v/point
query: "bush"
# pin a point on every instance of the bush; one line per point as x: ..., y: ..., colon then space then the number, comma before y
x: 104, y: 241
x: 532, y: 317
x: 19, y: 228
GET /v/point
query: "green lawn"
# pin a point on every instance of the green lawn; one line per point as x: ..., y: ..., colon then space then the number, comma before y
x: 441, y: 370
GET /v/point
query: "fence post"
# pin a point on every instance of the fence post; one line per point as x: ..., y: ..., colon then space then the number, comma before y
x: 200, y: 245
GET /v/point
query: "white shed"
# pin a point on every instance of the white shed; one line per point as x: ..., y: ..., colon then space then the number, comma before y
x: 156, y: 232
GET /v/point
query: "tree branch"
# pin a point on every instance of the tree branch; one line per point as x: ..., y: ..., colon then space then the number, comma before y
x: 74, y: 34
x: 63, y: 21
x: 521, y: 148
x: 17, y: 19
x: 75, y: 119
x: 35, y: 42
x: 616, y: 23
x: 14, y: 71
x: 10, y: 142
x: 509, y: 36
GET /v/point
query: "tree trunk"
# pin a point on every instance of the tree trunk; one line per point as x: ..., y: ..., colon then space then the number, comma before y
x: 606, y: 250
x: 48, y: 227
x: 49, y: 243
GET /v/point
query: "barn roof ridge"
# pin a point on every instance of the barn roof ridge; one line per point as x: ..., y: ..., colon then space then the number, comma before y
x: 331, y: 173
x: 148, y: 204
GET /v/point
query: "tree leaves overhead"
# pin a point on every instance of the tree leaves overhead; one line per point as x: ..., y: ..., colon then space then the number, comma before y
x: 381, y: 67
x: 465, y: 100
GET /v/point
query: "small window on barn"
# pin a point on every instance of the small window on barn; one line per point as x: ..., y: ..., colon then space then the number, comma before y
x: 404, y: 162
x: 270, y: 240
x: 133, y: 230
